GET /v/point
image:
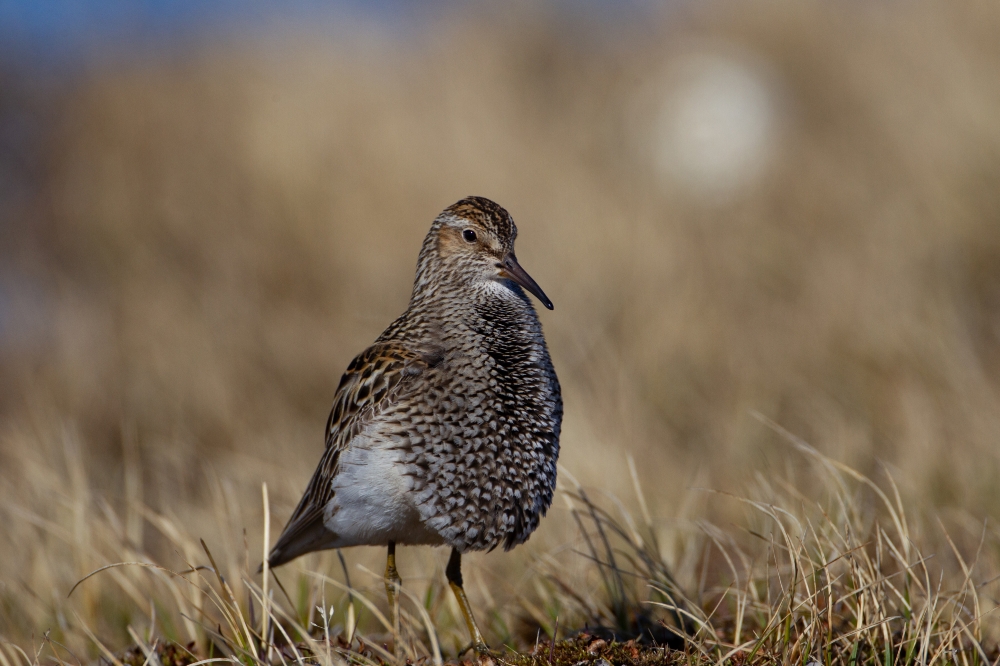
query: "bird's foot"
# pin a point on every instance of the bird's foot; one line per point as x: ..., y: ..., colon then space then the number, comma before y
x: 480, y: 649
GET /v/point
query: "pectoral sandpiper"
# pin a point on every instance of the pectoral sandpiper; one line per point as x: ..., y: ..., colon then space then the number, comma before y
x: 446, y: 430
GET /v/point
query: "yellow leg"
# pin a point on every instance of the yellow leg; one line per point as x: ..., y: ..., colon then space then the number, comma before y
x: 392, y: 584
x: 454, y: 574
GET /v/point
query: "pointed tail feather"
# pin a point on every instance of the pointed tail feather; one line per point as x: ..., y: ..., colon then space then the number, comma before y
x: 302, y: 535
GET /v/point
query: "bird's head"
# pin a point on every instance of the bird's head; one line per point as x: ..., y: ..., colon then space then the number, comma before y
x: 474, y: 240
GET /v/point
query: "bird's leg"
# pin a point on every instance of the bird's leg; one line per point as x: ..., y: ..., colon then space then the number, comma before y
x: 454, y: 574
x: 392, y: 585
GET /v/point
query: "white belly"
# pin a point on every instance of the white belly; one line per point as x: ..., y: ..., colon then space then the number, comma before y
x: 372, y: 503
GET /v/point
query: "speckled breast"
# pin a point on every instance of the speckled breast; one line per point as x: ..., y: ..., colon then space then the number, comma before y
x: 483, y: 437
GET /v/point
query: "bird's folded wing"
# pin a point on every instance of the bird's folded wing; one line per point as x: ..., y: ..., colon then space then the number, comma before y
x: 373, y: 381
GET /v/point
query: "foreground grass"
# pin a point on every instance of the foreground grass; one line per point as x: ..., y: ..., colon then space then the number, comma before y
x: 581, y: 649
x: 850, y: 579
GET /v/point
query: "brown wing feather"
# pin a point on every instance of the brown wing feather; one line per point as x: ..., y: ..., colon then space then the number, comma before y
x: 372, y: 381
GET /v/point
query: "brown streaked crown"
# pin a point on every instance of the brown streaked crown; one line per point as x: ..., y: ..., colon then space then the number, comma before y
x: 491, y: 216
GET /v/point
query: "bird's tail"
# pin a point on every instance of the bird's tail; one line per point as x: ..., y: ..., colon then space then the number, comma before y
x: 302, y: 535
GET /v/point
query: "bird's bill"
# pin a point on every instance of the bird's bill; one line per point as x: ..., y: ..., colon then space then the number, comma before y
x: 512, y: 270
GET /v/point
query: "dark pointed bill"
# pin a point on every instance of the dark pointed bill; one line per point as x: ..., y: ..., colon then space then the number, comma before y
x: 513, y: 271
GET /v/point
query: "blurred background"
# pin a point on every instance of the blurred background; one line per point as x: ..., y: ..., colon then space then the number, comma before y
x: 207, y: 210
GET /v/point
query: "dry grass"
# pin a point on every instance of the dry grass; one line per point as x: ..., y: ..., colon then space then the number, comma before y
x: 209, y: 239
x: 841, y: 579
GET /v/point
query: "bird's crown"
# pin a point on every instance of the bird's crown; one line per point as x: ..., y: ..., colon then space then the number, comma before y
x: 488, y: 215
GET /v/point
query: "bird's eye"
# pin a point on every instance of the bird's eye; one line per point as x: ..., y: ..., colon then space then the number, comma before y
x: 469, y: 235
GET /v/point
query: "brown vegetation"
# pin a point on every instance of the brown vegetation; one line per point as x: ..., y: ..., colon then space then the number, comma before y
x: 212, y: 237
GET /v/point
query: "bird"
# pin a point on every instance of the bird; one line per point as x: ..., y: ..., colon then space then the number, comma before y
x: 445, y: 431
